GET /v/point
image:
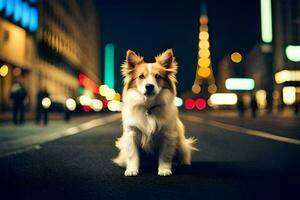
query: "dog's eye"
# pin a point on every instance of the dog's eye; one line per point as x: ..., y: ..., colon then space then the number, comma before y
x: 141, y: 76
x: 157, y: 76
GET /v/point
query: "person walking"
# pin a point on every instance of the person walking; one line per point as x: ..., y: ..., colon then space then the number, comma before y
x: 18, y: 95
x: 40, y: 110
x: 254, y: 106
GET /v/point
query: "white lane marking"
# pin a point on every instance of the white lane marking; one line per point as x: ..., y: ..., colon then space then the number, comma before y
x: 262, y: 134
x: 20, y: 145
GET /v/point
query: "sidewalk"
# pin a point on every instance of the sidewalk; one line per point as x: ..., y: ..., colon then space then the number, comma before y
x: 6, y: 117
x: 284, y: 124
x: 14, y: 137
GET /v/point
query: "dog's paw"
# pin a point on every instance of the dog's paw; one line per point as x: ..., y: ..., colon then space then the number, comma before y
x: 164, y: 172
x: 131, y: 172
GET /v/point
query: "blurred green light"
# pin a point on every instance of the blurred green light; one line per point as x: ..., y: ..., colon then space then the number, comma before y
x: 292, y: 52
x: 239, y: 84
x: 109, y: 66
x: 266, y: 21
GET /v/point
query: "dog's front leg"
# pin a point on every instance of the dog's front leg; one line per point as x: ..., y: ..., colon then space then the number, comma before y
x: 166, y: 156
x: 132, y: 160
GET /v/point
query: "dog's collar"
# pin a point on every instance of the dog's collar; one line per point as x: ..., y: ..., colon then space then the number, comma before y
x: 149, y: 110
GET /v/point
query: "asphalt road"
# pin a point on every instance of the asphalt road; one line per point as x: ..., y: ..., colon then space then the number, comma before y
x: 231, y: 164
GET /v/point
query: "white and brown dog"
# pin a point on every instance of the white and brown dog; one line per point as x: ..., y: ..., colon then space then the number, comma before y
x: 150, y: 117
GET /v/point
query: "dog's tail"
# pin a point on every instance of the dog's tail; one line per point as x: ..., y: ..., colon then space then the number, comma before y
x: 186, y: 145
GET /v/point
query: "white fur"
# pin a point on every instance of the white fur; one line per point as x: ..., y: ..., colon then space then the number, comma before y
x: 162, y: 130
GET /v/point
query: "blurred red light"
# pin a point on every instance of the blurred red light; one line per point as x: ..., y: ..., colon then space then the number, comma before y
x: 104, y: 102
x: 86, y: 108
x: 88, y: 83
x: 189, y: 104
x: 200, y: 104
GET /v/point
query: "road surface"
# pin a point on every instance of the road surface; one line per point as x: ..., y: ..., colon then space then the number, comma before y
x: 238, y: 159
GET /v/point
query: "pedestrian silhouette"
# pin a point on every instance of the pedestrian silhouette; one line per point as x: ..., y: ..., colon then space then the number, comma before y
x: 253, y: 105
x: 241, y: 106
x: 18, y: 95
x: 40, y: 110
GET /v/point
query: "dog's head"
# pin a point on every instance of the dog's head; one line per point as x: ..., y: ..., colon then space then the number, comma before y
x: 150, y: 78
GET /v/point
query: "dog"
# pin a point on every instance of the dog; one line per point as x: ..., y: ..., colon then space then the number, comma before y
x: 150, y: 116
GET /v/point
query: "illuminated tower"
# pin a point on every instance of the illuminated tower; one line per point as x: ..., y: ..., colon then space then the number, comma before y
x: 204, y: 78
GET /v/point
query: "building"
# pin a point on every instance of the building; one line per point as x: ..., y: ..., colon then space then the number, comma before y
x: 51, y: 49
x: 286, y: 49
x: 274, y: 63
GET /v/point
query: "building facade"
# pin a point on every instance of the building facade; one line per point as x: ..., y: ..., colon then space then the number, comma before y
x: 64, y: 44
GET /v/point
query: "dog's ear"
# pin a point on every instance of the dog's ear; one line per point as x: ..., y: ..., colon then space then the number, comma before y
x: 166, y: 59
x: 132, y: 59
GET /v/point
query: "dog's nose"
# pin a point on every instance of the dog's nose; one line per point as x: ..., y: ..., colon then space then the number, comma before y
x: 149, y: 88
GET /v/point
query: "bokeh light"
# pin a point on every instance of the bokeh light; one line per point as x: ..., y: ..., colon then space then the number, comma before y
x: 204, y: 53
x: 103, y: 90
x: 189, y: 104
x: 204, y: 62
x: 117, y: 97
x: 204, y: 72
x: 114, y: 106
x: 200, y: 104
x: 236, y: 57
x: 110, y: 94
x: 3, y: 70
x: 203, y: 20
x: 178, y: 101
x: 71, y: 104
x: 85, y: 100
x: 196, y: 89
x: 203, y: 44
x: 97, y: 105
x: 46, y: 102
x: 289, y: 95
x: 212, y: 88
x: 203, y: 35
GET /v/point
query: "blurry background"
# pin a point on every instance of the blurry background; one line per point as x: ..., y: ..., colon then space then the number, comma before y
x: 75, y: 48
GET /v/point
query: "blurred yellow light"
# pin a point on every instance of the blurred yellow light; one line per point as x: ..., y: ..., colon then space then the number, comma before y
x: 117, y: 97
x: 4, y: 70
x: 71, y: 104
x: 261, y: 98
x: 204, y: 28
x: 204, y: 53
x: 204, y: 72
x: 204, y: 62
x: 46, y: 102
x: 110, y: 94
x: 114, y: 105
x: 196, y: 89
x: 287, y: 75
x: 97, y: 105
x: 209, y: 103
x: 103, y: 90
x: 236, y: 57
x: 85, y: 100
x: 17, y: 71
x: 203, y: 35
x: 204, y: 44
x: 275, y: 95
x: 289, y: 95
x: 223, y: 99
x: 212, y: 88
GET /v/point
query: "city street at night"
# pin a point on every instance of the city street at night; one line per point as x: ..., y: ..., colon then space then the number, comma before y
x: 157, y: 99
x: 238, y: 159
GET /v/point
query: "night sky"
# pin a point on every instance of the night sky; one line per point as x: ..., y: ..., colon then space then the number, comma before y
x: 150, y: 27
